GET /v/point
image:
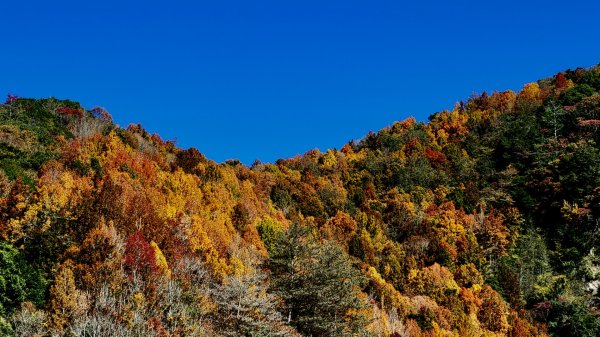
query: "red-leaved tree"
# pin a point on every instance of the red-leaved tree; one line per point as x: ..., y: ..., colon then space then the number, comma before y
x: 140, y: 258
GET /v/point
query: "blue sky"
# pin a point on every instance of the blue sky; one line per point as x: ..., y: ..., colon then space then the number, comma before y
x: 272, y: 79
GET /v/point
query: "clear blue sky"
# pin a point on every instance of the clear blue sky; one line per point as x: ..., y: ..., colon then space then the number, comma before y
x: 271, y: 79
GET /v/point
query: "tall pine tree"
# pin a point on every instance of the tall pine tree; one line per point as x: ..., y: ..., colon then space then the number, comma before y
x: 319, y: 285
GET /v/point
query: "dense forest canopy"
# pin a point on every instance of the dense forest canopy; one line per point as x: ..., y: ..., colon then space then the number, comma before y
x: 484, y: 221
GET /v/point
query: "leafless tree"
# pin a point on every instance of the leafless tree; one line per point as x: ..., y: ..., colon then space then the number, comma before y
x: 29, y: 321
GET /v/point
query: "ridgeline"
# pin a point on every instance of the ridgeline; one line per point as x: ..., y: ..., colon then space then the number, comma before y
x: 484, y: 221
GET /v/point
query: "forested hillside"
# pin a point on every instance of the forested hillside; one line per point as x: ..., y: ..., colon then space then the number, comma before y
x: 484, y: 221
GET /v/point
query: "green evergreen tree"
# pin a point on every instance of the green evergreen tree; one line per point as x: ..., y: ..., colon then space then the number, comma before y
x: 18, y: 280
x: 319, y: 285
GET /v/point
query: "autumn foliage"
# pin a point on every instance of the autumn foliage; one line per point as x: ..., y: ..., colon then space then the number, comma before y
x: 481, y: 222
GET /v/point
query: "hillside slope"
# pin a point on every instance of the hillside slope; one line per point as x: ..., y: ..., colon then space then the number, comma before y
x: 482, y: 222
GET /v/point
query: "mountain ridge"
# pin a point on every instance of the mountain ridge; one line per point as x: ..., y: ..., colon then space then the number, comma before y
x: 480, y: 222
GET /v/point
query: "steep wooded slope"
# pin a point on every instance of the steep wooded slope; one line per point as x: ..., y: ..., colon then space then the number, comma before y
x: 481, y: 222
